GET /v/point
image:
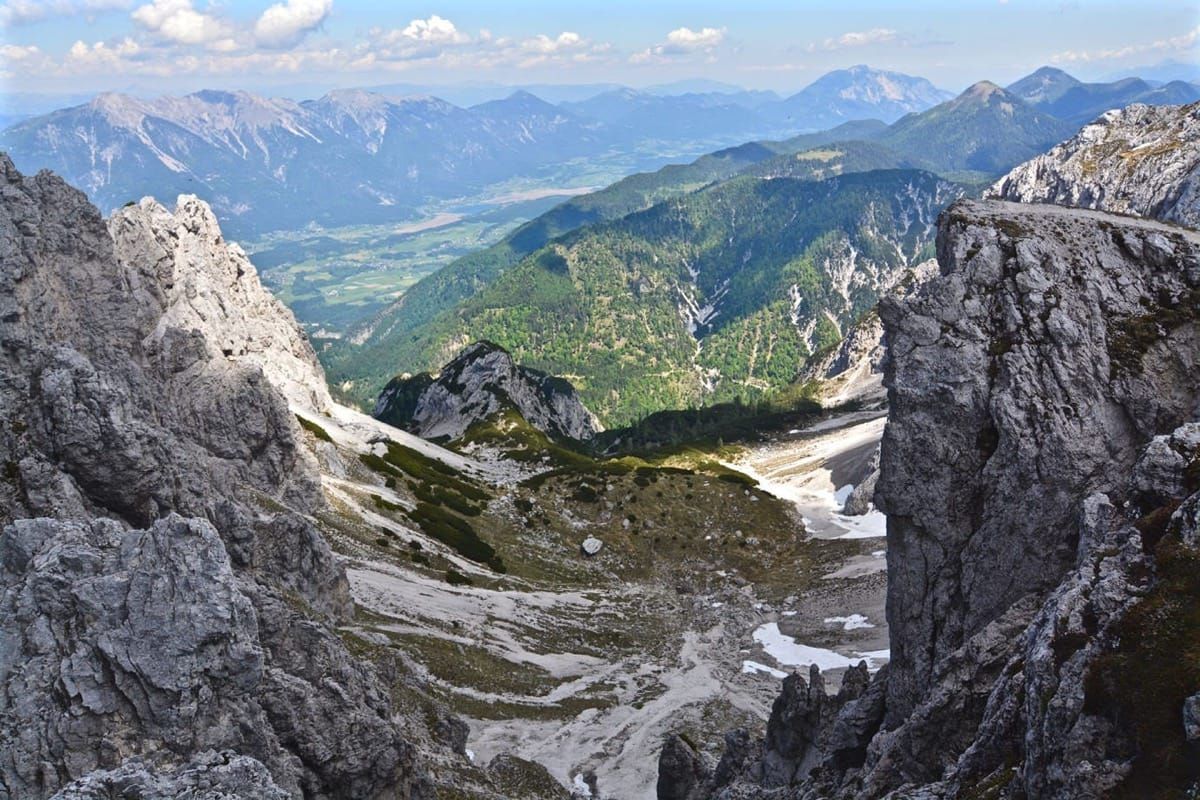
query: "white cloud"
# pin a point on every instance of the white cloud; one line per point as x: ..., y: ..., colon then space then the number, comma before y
x: 16, y: 52
x: 435, y: 30
x: 81, y: 57
x: 285, y: 24
x: 184, y: 37
x: 1174, y: 44
x: 683, y: 42
x: 856, y: 39
x: 438, y: 40
x: 568, y: 46
x: 178, y: 21
x: 19, y: 12
x: 688, y: 39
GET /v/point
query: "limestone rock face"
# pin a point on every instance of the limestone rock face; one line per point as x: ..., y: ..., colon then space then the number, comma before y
x: 201, y: 282
x: 1142, y: 160
x: 479, y: 383
x: 1040, y: 474
x: 155, y: 550
x: 1054, y: 346
x: 681, y: 770
x: 209, y: 776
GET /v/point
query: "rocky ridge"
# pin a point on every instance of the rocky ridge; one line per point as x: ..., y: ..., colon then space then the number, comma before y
x: 481, y: 381
x: 209, y: 285
x: 169, y: 604
x: 1038, y: 472
x: 1141, y: 159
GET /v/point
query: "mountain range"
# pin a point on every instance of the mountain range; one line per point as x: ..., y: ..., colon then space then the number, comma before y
x: 267, y: 163
x: 718, y: 294
x: 1056, y: 93
x: 216, y: 581
x: 972, y: 138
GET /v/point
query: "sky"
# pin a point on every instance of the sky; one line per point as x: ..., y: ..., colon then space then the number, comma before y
x: 305, y: 47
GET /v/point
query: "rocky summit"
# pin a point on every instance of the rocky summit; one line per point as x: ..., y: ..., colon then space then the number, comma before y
x: 1141, y: 159
x: 480, y: 383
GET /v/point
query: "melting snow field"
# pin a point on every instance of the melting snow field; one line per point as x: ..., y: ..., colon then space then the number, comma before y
x: 801, y: 472
x: 790, y: 653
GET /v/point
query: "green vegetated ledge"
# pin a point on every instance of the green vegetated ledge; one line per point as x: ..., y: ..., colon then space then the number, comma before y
x: 444, y: 499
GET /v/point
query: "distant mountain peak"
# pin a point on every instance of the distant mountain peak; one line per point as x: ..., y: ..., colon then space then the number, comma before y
x: 982, y: 89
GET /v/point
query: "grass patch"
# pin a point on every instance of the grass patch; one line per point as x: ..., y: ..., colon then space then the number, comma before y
x: 456, y: 533
x: 313, y: 428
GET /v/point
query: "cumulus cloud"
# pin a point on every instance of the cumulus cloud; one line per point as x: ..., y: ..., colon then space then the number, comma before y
x: 568, y: 46
x: 17, y: 52
x: 683, y: 42
x: 434, y: 30
x: 184, y: 37
x: 178, y: 21
x: 285, y: 24
x: 438, y: 40
x: 856, y: 39
x: 1174, y: 44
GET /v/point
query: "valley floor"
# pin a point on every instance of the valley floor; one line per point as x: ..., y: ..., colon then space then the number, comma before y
x: 583, y: 664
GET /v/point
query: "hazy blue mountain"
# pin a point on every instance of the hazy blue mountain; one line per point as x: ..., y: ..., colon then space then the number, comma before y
x: 1162, y: 72
x: 859, y: 92
x: 350, y: 157
x: 472, y: 94
x: 694, y: 86
x: 656, y: 116
x: 1044, y: 85
x: 1055, y: 92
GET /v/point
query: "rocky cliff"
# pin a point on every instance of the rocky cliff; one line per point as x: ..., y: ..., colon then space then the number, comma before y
x: 481, y: 381
x: 1142, y: 160
x: 1053, y: 347
x: 206, y: 284
x: 167, y: 607
x: 1039, y: 472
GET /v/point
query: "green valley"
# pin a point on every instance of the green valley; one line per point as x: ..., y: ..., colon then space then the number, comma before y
x: 715, y: 295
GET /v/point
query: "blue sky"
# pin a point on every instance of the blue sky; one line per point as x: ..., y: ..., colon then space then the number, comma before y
x: 307, y: 46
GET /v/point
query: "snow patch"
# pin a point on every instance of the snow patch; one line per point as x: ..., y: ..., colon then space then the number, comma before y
x: 790, y: 653
x: 755, y: 668
x: 850, y: 623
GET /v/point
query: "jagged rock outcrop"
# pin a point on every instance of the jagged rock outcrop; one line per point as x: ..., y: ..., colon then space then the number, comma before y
x: 155, y: 556
x: 209, y: 776
x: 207, y: 284
x: 1041, y: 475
x: 681, y: 770
x: 862, y: 497
x: 480, y: 382
x: 1142, y: 160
